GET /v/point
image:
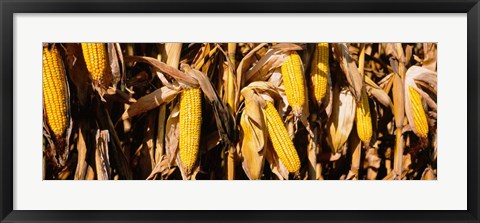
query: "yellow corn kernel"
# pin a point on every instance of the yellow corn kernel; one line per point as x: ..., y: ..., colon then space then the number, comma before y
x: 95, y: 55
x: 419, y: 116
x: 293, y: 80
x: 282, y: 144
x: 319, y: 72
x: 364, y: 119
x: 190, y: 126
x: 54, y: 91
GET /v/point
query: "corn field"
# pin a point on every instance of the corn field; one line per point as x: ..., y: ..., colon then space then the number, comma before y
x: 239, y: 111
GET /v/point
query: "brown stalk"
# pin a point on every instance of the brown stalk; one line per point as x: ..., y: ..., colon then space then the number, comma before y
x: 356, y: 146
x: 232, y: 106
x: 173, y: 51
x: 399, y: 109
x: 399, y: 114
x: 312, y: 152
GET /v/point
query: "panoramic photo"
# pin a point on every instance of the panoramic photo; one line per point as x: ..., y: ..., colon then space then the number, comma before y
x: 239, y: 111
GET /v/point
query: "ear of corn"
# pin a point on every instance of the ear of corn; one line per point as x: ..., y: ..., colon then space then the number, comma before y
x: 342, y: 118
x: 319, y: 72
x: 252, y: 148
x: 95, y: 55
x: 282, y: 144
x: 293, y: 80
x: 190, y: 126
x: 364, y: 119
x: 54, y: 91
x: 419, y: 118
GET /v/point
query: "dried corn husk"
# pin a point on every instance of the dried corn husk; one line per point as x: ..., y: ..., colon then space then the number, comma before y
x: 341, y: 121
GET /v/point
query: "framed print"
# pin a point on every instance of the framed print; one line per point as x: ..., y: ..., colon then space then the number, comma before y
x: 239, y: 111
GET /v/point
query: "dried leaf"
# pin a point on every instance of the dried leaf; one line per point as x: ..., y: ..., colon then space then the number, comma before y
x: 150, y: 101
x: 102, y: 160
x: 287, y: 46
x: 428, y: 174
x: 378, y: 93
x: 162, y: 168
x: 172, y: 134
x: 430, y: 60
x: 81, y: 171
x: 164, y: 68
x: 372, y: 163
x: 113, y: 57
x: 381, y: 97
x: 276, y: 165
x: 347, y: 63
x: 269, y: 62
x: 423, y: 75
x: 243, y: 66
x: 76, y: 67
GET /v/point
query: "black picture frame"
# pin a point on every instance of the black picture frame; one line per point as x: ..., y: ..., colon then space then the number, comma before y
x: 10, y: 7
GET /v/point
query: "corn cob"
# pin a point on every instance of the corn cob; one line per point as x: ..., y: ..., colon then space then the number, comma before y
x: 364, y: 119
x: 319, y: 72
x: 54, y: 91
x: 292, y: 74
x: 95, y: 55
x: 282, y: 144
x: 190, y: 126
x: 419, y: 116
